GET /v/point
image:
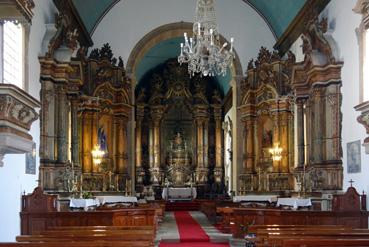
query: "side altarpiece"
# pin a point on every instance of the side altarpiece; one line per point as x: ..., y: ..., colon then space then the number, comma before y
x: 295, y: 106
x: 86, y: 102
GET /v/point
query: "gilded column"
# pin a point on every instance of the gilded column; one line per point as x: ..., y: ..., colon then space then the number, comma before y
x: 156, y: 143
x: 300, y: 133
x: 308, y: 130
x: 218, y: 171
x: 87, y: 142
x: 200, y: 148
x: 62, y: 127
x: 47, y: 148
x: 276, y: 137
x: 118, y: 127
x: 206, y: 143
x: 94, y: 140
x: 74, y: 131
x: 156, y: 114
x: 318, y: 126
x: 124, y: 147
x: 284, y: 142
x: 139, y: 118
x: 249, y: 146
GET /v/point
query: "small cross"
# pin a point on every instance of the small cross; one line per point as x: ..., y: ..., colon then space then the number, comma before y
x: 351, y: 182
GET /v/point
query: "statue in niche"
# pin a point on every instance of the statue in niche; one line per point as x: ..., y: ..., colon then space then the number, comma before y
x: 267, y: 138
x: 177, y: 142
x: 102, y: 139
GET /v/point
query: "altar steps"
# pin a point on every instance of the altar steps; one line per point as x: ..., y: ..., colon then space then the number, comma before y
x: 182, y: 206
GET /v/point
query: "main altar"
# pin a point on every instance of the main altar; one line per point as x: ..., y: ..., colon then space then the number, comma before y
x: 178, y: 132
x: 179, y: 169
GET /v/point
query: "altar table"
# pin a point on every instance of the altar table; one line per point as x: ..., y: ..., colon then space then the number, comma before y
x: 116, y: 199
x: 294, y: 202
x: 255, y: 198
x: 179, y: 193
x: 83, y: 203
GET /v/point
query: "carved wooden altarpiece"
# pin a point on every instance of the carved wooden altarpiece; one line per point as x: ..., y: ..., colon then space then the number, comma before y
x: 85, y: 102
x: 179, y: 130
x: 267, y: 121
x: 316, y: 83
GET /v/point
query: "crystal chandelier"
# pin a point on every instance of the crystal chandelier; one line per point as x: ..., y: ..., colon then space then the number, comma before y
x: 203, y: 52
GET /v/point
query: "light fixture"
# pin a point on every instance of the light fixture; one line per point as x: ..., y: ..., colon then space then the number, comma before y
x: 276, y: 152
x: 203, y: 52
x: 97, y: 153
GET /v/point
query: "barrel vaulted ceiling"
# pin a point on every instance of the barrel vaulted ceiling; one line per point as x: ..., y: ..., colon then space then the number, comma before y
x: 277, y: 13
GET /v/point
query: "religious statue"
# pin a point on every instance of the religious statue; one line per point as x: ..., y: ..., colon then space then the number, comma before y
x: 178, y: 161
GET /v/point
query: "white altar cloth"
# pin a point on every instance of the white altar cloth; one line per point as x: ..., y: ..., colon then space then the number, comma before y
x: 116, y: 199
x: 294, y: 202
x: 83, y: 203
x: 179, y: 193
x: 255, y: 198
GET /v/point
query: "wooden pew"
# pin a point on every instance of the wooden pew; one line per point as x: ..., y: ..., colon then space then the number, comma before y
x: 138, y: 243
x: 349, y: 210
x: 105, y: 234
x: 39, y: 212
x: 227, y: 218
x: 248, y: 216
x: 100, y: 227
x: 257, y: 233
x: 323, y: 242
x: 267, y: 237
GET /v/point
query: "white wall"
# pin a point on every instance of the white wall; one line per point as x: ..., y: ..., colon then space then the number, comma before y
x: 13, y: 180
x: 130, y: 20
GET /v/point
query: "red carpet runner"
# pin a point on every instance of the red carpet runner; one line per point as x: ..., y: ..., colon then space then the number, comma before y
x: 190, y: 232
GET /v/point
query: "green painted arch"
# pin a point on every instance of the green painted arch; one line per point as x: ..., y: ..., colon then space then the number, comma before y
x: 278, y: 14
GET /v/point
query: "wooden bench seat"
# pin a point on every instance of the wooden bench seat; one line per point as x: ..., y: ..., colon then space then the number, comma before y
x: 137, y: 243
x: 86, y: 237
x: 83, y: 232
x: 276, y: 237
x: 100, y: 227
x: 323, y: 242
x: 102, y: 234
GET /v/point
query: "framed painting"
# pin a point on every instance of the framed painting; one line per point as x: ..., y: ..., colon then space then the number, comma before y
x: 31, y: 161
x: 353, y: 157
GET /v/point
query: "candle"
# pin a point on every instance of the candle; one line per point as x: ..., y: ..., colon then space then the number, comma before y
x: 81, y: 182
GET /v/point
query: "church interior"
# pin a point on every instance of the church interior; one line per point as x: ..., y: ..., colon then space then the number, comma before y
x: 184, y: 122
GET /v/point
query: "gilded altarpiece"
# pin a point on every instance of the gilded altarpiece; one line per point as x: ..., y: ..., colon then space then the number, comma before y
x: 85, y: 102
x: 179, y: 136
x: 266, y: 110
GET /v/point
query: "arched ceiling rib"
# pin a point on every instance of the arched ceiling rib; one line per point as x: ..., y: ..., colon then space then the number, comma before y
x: 277, y: 13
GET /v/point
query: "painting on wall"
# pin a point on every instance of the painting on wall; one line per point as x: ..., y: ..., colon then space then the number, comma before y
x: 353, y: 157
x: 31, y: 161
